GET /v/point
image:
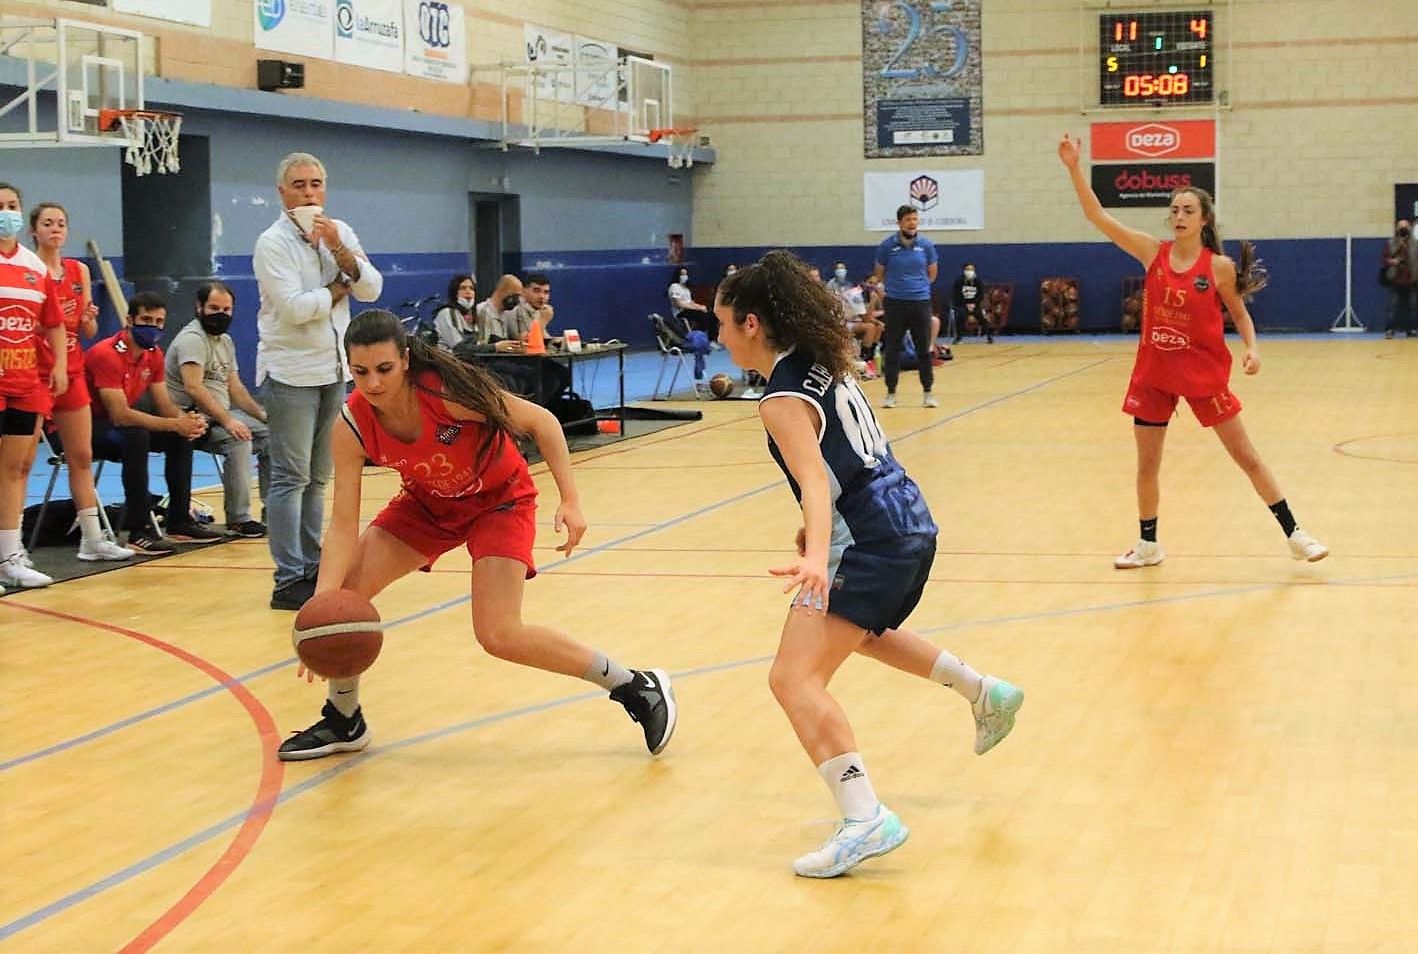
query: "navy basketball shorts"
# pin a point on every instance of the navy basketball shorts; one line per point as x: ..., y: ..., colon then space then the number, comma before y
x: 877, y: 591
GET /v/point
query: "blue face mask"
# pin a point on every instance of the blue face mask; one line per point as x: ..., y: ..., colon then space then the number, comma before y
x: 10, y: 223
x: 145, y: 336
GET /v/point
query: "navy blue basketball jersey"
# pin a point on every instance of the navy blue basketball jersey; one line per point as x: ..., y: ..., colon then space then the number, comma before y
x: 875, y: 506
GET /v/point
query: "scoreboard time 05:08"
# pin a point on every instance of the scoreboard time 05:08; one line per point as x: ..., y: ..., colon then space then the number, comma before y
x: 1158, y: 58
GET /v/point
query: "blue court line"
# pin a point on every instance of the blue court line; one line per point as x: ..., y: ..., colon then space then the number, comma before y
x: 459, y: 600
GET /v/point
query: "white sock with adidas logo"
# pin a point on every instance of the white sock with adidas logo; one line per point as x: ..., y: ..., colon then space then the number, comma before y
x: 846, y: 778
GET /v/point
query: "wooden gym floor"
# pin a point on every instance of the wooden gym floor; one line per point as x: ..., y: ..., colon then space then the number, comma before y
x: 1217, y: 754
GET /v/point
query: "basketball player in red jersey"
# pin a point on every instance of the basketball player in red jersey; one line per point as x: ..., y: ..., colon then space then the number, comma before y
x: 73, y: 291
x: 28, y: 310
x: 1182, y: 352
x: 446, y: 427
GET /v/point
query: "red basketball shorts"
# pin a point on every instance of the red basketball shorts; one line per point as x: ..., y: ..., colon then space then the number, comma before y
x: 74, y: 399
x: 505, y: 529
x: 1155, y: 406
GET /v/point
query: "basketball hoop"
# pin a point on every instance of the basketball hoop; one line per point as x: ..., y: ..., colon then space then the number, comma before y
x: 151, y: 134
x: 681, y: 142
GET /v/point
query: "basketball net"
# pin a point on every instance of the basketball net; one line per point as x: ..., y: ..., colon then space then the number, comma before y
x: 152, y: 140
x: 681, y: 145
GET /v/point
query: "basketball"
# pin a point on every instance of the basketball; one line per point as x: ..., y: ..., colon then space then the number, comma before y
x: 338, y: 634
x: 721, y: 385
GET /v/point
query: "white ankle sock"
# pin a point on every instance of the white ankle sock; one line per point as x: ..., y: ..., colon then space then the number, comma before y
x: 9, y: 542
x: 846, y: 778
x: 344, y: 696
x: 950, y: 672
x: 606, y: 673
x: 89, y: 527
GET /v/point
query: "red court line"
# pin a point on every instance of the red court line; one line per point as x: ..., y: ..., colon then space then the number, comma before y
x: 262, y: 805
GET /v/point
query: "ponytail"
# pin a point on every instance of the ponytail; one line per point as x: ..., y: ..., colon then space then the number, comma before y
x: 1251, y: 275
x: 796, y: 312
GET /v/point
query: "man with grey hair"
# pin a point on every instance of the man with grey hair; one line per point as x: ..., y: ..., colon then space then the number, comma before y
x: 307, y: 267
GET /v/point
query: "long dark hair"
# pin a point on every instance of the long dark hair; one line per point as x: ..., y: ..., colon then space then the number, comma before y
x: 451, y: 299
x: 795, y: 310
x: 464, y: 384
x: 1251, y: 275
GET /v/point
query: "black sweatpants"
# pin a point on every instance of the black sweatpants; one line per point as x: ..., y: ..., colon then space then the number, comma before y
x: 131, y: 446
x: 903, y: 316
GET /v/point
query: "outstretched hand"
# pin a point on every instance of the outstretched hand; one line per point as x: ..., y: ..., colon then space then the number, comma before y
x: 810, y: 578
x: 569, y: 518
x: 1069, y: 151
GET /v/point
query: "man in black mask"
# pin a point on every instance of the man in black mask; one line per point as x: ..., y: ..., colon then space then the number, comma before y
x: 201, y: 373
x: 1400, y: 274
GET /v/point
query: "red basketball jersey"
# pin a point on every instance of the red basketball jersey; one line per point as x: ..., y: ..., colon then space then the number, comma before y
x: 442, y: 465
x: 27, y: 306
x: 69, y: 296
x: 1183, y: 345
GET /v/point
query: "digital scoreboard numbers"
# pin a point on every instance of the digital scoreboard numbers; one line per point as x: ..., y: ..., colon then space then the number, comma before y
x: 1159, y: 58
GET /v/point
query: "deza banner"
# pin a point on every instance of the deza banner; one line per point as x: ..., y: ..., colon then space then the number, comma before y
x: 370, y: 33
x: 945, y: 200
x: 302, y: 27
x: 436, y: 41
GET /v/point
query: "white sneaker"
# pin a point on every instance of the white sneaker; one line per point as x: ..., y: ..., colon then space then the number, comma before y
x: 852, y: 843
x: 18, y: 570
x: 929, y: 401
x: 994, y: 712
x: 1143, y: 553
x: 104, y: 548
x: 890, y: 401
x: 1305, y: 547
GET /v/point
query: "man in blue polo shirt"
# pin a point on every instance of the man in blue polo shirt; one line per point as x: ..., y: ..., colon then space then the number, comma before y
x: 908, y: 261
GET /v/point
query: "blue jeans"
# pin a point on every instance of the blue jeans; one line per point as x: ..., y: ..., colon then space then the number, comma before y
x: 300, y: 420
x: 236, y: 465
x: 697, y: 343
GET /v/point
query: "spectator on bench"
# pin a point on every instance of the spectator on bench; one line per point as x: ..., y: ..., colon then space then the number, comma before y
x: 121, y: 371
x: 202, y: 376
x: 454, y: 319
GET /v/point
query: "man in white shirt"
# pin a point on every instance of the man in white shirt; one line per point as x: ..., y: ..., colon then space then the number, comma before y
x: 307, y: 268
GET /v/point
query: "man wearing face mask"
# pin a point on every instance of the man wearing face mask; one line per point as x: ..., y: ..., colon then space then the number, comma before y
x: 124, y: 371
x: 968, y: 299
x: 1401, y: 277
x: 497, y: 316
x: 202, y: 376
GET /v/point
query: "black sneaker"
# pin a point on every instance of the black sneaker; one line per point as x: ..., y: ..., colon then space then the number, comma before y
x: 650, y: 701
x: 148, y: 544
x: 333, y: 733
x: 249, y: 529
x: 292, y: 596
x: 192, y: 533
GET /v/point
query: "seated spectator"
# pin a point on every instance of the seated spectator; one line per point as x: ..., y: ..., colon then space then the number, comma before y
x: 454, y: 319
x: 535, y: 306
x: 121, y: 371
x: 202, y: 376
x: 968, y: 302
x: 497, y: 313
x: 691, y: 341
x: 696, y: 316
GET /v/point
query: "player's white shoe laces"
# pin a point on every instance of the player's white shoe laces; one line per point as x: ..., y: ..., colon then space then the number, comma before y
x: 104, y: 548
x: 852, y: 843
x: 18, y: 570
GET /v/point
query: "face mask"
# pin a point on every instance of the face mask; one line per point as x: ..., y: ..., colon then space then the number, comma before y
x: 840, y: 273
x: 1402, y: 233
x: 730, y: 271
x: 510, y: 302
x: 465, y: 303
x: 214, y: 324
x: 145, y: 336
x: 970, y: 274
x: 10, y: 223
x: 684, y: 278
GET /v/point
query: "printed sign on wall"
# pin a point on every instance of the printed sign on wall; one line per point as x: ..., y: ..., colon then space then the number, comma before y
x: 179, y: 11
x: 551, y: 49
x: 946, y: 200
x: 370, y: 33
x: 302, y: 27
x: 1141, y: 185
x: 1153, y: 139
x: 435, y: 41
x: 922, y: 78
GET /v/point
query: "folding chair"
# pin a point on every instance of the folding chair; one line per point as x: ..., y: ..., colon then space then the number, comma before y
x: 670, y: 352
x: 57, y: 461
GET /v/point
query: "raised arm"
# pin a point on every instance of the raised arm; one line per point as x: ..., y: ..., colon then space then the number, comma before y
x: 366, y: 283
x: 1139, y: 245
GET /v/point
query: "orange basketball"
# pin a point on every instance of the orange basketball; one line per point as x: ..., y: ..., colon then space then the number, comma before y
x: 338, y: 634
x: 721, y: 385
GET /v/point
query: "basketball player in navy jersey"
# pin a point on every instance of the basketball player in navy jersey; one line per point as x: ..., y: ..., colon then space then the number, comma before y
x: 865, y: 548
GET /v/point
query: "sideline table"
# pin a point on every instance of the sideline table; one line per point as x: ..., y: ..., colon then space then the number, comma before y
x: 588, y: 352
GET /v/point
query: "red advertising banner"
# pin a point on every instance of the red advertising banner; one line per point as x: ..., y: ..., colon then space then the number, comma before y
x: 1153, y: 139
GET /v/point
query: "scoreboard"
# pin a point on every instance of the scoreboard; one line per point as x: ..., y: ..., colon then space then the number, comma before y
x: 1157, y: 58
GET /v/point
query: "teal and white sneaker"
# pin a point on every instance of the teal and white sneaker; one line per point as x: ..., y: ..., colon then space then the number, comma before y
x: 994, y: 712
x: 852, y: 843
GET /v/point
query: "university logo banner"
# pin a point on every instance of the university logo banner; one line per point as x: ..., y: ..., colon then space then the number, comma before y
x: 946, y: 199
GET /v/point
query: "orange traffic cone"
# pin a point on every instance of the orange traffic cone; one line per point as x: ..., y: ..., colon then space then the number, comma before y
x: 536, y: 341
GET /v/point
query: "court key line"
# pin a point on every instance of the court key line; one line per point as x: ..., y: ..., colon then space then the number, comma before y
x: 152, y: 861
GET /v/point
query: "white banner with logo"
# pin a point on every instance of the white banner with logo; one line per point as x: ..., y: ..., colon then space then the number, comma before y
x: 946, y: 200
x: 552, y: 50
x: 302, y: 27
x: 179, y: 11
x: 598, y: 76
x: 370, y: 33
x: 435, y: 41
